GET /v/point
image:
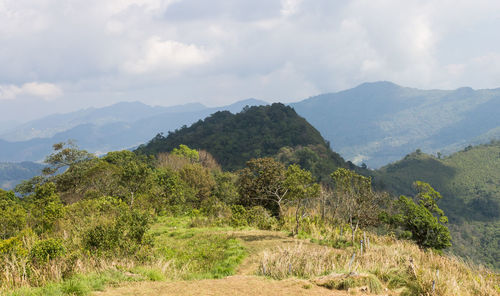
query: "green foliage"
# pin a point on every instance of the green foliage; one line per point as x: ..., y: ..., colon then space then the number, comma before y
x: 234, y: 139
x: 124, y: 236
x: 78, y: 284
x: 17, y: 245
x: 200, y: 180
x: 12, y: 214
x: 225, y: 188
x: 262, y: 183
x: 46, y: 207
x: 354, y: 201
x: 45, y: 250
x: 134, y: 175
x: 424, y: 220
x: 171, y: 193
x: 186, y: 152
x: 239, y: 216
x: 261, y: 218
x: 318, y: 159
x: 65, y: 154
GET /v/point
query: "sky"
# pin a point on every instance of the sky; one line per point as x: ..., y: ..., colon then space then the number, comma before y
x: 58, y: 56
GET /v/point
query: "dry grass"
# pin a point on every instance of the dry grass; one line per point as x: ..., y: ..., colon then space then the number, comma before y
x: 399, y: 265
x: 298, y: 260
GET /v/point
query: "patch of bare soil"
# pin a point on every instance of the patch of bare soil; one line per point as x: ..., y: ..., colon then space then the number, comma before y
x: 239, y: 285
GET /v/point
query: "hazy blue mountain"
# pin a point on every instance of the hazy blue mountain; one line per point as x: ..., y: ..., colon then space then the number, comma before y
x: 380, y: 122
x: 116, y: 127
x: 48, y: 126
x: 13, y: 173
x: 7, y: 125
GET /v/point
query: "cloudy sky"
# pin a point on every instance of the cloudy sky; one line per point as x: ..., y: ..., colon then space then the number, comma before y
x: 58, y: 55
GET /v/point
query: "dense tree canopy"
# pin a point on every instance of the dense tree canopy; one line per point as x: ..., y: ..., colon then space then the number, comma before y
x: 233, y: 139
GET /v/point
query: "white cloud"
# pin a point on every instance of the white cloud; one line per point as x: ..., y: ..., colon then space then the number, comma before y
x: 290, y: 7
x: 169, y: 55
x: 45, y: 91
x: 103, y: 51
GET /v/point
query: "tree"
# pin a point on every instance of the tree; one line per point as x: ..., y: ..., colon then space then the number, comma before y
x: 186, y: 152
x: 12, y: 215
x: 424, y: 220
x: 134, y: 172
x: 46, y: 207
x: 65, y: 154
x: 265, y: 182
x: 67, y: 158
x: 199, y: 179
x: 355, y: 203
x: 262, y: 182
x: 301, y: 187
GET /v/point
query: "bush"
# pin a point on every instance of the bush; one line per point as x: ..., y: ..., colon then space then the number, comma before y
x: 261, y: 218
x: 45, y: 250
x: 103, y: 237
x: 125, y: 236
x: 238, y: 216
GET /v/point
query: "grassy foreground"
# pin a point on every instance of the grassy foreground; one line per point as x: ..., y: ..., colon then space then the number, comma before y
x: 201, y: 260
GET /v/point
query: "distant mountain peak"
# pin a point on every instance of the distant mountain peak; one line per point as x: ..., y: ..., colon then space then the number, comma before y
x: 378, y: 85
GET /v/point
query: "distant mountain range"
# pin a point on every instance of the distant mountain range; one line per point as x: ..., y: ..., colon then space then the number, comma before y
x: 377, y: 123
x: 120, y: 126
x: 374, y: 123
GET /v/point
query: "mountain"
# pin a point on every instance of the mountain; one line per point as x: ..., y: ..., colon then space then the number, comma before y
x: 49, y: 126
x: 120, y: 126
x: 377, y: 123
x: 235, y: 138
x: 469, y: 181
x: 13, y: 173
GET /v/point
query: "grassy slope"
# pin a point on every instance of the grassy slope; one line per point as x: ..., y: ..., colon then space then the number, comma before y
x: 470, y: 184
x: 200, y: 260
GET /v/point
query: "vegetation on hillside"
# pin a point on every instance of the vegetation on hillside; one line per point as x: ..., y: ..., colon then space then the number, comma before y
x: 233, y: 139
x: 469, y: 182
x: 128, y: 217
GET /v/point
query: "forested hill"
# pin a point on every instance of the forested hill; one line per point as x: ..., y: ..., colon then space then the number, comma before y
x: 235, y: 138
x: 469, y: 181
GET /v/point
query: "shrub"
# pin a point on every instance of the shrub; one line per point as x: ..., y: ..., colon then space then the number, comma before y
x: 125, y: 236
x: 261, y: 218
x: 101, y: 237
x: 46, y: 250
x: 238, y: 216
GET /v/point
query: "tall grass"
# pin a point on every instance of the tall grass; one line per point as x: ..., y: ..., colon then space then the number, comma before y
x: 298, y: 260
x: 394, y: 263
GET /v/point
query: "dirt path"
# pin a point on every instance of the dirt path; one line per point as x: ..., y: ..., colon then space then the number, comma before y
x: 239, y: 285
x: 245, y: 282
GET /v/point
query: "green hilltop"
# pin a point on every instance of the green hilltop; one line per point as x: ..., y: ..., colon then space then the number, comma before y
x: 233, y: 139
